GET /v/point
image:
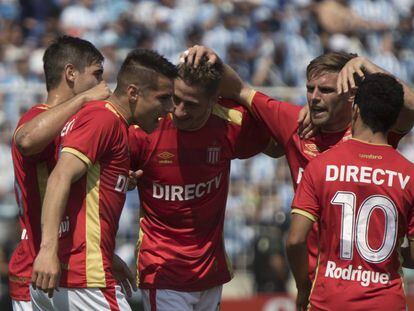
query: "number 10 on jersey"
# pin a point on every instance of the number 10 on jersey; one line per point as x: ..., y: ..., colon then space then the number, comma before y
x: 356, y: 230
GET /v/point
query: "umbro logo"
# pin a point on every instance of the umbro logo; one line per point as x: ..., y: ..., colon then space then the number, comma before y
x: 165, y: 157
x: 311, y: 147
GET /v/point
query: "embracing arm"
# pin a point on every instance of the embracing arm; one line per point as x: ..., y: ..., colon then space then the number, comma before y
x: 46, y: 267
x: 360, y: 66
x: 231, y: 86
x: 36, y: 134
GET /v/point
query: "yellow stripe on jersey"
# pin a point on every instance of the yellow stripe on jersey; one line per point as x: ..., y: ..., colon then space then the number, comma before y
x: 95, y: 274
x: 42, y: 176
x: 304, y: 213
x: 231, y: 115
x: 78, y: 154
x: 137, y: 248
x: 111, y: 107
x: 250, y: 97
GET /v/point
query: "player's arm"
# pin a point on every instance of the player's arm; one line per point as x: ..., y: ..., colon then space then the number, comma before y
x: 267, y: 110
x: 297, y: 254
x: 359, y: 66
x: 274, y: 150
x: 36, y: 134
x: 46, y: 267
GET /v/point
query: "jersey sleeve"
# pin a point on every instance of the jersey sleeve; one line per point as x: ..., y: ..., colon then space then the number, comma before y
x: 49, y: 150
x: 88, y: 134
x: 305, y: 201
x: 137, y: 142
x: 281, y: 118
x: 252, y: 138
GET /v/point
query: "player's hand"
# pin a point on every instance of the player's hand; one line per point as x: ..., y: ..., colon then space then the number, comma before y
x: 100, y: 91
x: 193, y: 55
x: 356, y: 67
x: 302, y: 300
x: 306, y: 128
x: 46, y: 272
x: 133, y: 179
x: 124, y: 276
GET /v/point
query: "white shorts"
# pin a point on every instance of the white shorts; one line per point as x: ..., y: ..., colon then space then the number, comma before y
x: 19, y: 305
x: 167, y: 300
x: 71, y: 299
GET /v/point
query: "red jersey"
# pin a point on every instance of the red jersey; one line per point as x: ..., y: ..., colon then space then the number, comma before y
x: 183, y: 193
x: 281, y: 118
x: 98, y: 135
x: 362, y: 196
x: 31, y: 174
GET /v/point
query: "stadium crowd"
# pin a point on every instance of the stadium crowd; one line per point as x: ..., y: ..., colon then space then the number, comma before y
x: 268, y: 42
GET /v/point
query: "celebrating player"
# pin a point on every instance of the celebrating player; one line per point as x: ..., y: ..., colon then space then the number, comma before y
x: 362, y: 194
x: 86, y: 190
x: 182, y: 262
x: 330, y: 79
x: 71, y: 66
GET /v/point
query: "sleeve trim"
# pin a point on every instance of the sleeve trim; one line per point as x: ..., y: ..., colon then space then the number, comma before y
x: 304, y: 213
x: 250, y: 97
x: 231, y: 115
x: 15, y: 132
x: 78, y: 154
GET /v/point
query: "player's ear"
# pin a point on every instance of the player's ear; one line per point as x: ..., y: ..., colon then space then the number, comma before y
x: 355, y: 112
x: 133, y: 92
x: 70, y: 73
x: 351, y: 95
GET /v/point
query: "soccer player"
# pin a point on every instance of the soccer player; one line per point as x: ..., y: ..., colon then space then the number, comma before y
x: 86, y: 190
x: 330, y: 88
x: 362, y: 195
x: 181, y: 259
x: 73, y: 70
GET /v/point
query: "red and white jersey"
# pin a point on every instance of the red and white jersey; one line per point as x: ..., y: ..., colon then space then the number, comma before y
x: 362, y: 197
x: 31, y: 174
x: 281, y: 118
x: 98, y: 135
x: 183, y: 193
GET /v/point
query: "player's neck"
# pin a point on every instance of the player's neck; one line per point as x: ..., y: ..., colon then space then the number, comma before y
x: 58, y: 96
x: 121, y: 107
x: 335, y: 128
x: 366, y: 135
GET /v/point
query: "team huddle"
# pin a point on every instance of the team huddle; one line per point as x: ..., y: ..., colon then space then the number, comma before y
x: 172, y: 131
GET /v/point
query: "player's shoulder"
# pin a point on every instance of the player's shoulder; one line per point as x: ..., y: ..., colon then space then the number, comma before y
x: 100, y: 112
x: 330, y: 155
x: 229, y: 110
x: 32, y: 112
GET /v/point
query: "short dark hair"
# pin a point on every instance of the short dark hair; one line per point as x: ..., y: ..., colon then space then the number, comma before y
x: 328, y: 62
x: 68, y: 50
x: 205, y: 75
x: 142, y: 67
x: 380, y: 98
